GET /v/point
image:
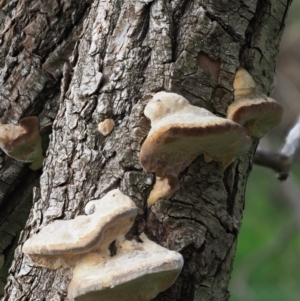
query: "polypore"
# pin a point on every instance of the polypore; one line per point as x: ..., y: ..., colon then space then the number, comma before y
x: 138, y: 272
x: 255, y: 111
x: 179, y: 133
x: 105, y: 127
x: 63, y: 243
x: 23, y: 142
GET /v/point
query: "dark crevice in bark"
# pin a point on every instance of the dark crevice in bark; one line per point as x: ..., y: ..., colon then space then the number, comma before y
x: 262, y: 8
x: 178, y: 13
x: 14, y: 212
x: 262, y: 13
x: 282, y: 25
x: 230, y: 31
x: 231, y: 188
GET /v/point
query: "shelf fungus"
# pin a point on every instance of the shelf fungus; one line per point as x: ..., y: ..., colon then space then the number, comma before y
x: 179, y: 133
x: 23, y: 142
x: 63, y: 243
x: 255, y: 111
x: 137, y: 271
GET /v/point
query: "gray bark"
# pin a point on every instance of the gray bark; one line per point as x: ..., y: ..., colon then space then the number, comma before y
x: 108, y: 56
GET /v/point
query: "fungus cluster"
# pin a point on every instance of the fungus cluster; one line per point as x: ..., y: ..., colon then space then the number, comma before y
x: 137, y: 272
x: 23, y: 142
x: 179, y: 133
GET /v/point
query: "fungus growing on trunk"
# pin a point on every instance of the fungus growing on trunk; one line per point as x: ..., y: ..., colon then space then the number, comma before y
x: 180, y: 132
x: 137, y: 272
x: 256, y: 112
x: 23, y: 142
x: 62, y: 243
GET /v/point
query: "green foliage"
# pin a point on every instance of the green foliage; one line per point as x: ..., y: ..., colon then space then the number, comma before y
x: 267, y: 263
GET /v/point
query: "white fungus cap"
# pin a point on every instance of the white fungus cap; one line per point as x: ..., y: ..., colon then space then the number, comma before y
x: 62, y: 243
x: 138, y: 272
x: 180, y: 132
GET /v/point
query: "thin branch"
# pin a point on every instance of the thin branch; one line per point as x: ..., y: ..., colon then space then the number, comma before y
x: 275, y: 161
x: 281, y: 161
x: 292, y: 141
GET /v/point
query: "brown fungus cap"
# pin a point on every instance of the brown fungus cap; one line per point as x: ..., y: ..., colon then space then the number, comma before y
x: 180, y: 132
x: 23, y: 142
x: 138, y: 272
x: 62, y: 242
x: 256, y: 112
x: 259, y: 115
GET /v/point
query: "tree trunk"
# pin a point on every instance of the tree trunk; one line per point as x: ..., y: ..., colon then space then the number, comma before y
x: 107, y: 56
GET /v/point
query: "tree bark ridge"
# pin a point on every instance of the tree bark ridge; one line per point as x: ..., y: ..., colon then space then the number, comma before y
x: 126, y: 50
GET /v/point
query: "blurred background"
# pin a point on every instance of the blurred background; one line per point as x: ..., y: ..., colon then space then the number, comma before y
x: 267, y: 263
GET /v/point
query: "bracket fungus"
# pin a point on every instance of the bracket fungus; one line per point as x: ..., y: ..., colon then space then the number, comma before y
x: 23, y: 142
x: 255, y: 111
x: 137, y: 272
x: 179, y: 133
x: 62, y: 243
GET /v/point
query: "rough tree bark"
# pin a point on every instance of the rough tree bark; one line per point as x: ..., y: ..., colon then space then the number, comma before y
x: 73, y: 64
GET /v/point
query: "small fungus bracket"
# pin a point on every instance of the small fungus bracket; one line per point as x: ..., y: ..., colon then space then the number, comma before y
x: 23, y: 142
x: 253, y: 110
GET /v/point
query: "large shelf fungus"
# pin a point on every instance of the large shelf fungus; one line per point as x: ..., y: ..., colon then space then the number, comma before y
x: 137, y: 272
x: 179, y: 133
x: 255, y: 111
x: 63, y: 243
x: 23, y: 142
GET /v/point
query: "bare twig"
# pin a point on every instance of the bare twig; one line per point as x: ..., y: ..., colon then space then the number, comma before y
x: 281, y: 161
x: 292, y: 141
